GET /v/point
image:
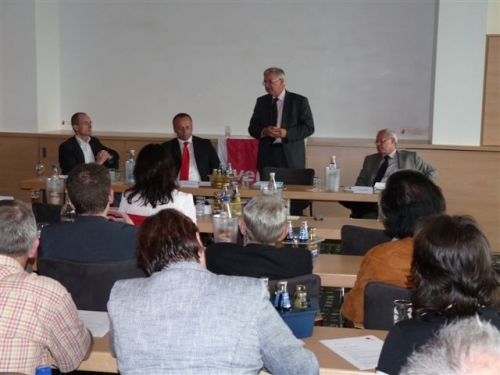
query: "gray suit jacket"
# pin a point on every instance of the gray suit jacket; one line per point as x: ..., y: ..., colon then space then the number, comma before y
x: 405, y: 160
x: 186, y: 320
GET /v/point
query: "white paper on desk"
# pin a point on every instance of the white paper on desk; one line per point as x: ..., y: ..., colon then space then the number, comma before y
x: 362, y: 352
x: 96, y: 321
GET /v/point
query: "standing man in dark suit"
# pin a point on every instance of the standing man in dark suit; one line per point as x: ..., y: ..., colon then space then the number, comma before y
x: 83, y: 148
x: 281, y: 121
x: 378, y: 167
x: 203, y: 158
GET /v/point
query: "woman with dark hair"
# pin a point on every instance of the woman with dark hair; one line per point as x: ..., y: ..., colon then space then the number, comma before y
x: 454, y: 278
x: 409, y: 196
x: 155, y: 188
x: 183, y: 319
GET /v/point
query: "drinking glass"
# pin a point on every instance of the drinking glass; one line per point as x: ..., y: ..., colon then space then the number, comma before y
x: 317, y: 183
x: 39, y: 168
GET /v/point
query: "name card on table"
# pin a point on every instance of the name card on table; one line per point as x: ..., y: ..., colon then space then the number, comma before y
x: 189, y: 184
x: 362, y: 189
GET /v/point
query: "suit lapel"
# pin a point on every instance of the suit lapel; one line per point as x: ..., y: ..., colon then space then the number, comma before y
x: 79, y: 152
x: 287, y: 108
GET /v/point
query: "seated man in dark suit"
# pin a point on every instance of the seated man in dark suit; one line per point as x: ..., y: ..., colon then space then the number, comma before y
x: 82, y: 148
x: 97, y: 235
x: 264, y: 223
x: 194, y: 157
x: 378, y: 167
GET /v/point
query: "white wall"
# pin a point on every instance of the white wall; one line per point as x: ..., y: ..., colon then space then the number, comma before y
x: 459, y: 72
x: 117, y: 61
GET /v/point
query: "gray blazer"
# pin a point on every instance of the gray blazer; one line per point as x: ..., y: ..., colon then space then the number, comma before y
x: 186, y: 320
x: 405, y: 160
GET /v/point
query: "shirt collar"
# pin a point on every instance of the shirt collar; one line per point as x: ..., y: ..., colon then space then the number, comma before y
x: 181, y: 142
x: 282, y: 95
x: 80, y: 141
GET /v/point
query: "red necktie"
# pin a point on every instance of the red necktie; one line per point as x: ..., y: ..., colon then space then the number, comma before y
x: 184, y: 175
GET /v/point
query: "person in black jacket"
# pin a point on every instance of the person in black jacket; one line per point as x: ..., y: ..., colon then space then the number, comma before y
x: 203, y: 157
x: 264, y: 223
x: 82, y: 148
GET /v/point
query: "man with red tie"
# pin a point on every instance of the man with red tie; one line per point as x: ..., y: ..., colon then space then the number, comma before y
x: 194, y: 157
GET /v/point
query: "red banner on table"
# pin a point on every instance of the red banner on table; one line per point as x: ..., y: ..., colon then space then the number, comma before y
x: 242, y: 154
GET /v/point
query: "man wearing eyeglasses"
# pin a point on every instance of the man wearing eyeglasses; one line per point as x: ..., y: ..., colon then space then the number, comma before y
x: 281, y: 121
x: 378, y: 167
x: 83, y: 148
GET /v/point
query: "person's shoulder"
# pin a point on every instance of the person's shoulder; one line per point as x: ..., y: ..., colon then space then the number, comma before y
x: 239, y: 285
x: 223, y: 246
x: 180, y: 194
x: 68, y: 142
x: 44, y: 287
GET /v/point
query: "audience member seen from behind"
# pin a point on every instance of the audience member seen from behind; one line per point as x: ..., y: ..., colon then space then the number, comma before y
x: 378, y: 167
x: 203, y: 158
x: 454, y: 278
x: 205, y: 323
x: 408, y: 197
x: 155, y: 188
x: 466, y: 347
x: 38, y: 315
x: 83, y: 148
x: 98, y: 234
x: 264, y: 222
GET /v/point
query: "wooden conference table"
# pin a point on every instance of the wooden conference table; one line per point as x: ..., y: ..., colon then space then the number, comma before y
x: 330, y: 363
x: 290, y: 192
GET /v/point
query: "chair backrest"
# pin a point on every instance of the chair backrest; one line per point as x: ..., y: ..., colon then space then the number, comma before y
x: 290, y: 176
x: 358, y: 240
x: 46, y: 213
x: 312, y: 283
x: 89, y: 283
x: 379, y: 304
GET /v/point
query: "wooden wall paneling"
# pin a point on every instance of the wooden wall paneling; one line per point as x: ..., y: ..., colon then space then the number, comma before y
x: 49, y: 152
x: 491, y: 100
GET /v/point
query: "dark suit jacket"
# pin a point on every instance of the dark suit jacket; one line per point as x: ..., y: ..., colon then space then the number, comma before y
x: 405, y: 160
x: 256, y: 260
x: 298, y: 121
x: 89, y: 239
x: 204, y: 154
x: 71, y: 154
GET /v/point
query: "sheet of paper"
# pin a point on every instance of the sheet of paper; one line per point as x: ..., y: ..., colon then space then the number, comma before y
x: 96, y: 321
x: 362, y: 352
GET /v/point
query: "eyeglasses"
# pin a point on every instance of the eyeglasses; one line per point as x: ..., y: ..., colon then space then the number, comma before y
x: 377, y: 141
x: 87, y: 123
x: 270, y: 82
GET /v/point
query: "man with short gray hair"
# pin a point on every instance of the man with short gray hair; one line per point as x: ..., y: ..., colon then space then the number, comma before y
x: 38, y: 315
x: 378, y: 167
x: 264, y: 222
x: 281, y: 121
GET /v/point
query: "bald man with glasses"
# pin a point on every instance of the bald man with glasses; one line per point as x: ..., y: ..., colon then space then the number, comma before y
x: 281, y: 121
x: 378, y: 167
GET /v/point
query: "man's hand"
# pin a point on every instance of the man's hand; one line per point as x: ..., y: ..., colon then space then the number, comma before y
x: 274, y: 132
x: 102, y: 157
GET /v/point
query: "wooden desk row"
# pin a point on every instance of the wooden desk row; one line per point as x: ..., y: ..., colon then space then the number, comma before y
x: 290, y: 192
x: 328, y: 228
x: 330, y: 363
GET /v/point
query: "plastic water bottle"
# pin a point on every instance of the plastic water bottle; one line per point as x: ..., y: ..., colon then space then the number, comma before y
x: 129, y: 168
x: 68, y: 213
x: 271, y: 184
x: 333, y: 163
x: 55, y: 172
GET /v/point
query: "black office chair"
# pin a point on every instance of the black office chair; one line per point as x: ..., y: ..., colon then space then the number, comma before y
x: 358, y: 240
x: 292, y: 176
x: 312, y: 283
x: 46, y: 213
x: 379, y: 304
x: 89, y: 284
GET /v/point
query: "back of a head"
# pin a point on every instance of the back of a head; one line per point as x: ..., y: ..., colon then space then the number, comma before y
x: 465, y: 347
x: 452, y: 268
x: 409, y: 196
x: 154, y: 175
x: 89, y: 186
x: 166, y: 238
x: 265, y: 218
x: 17, y: 228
